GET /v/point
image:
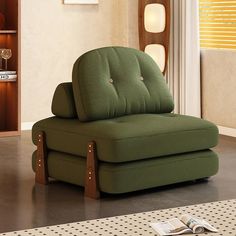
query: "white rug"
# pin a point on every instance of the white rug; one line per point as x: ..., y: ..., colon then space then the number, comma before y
x: 221, y: 215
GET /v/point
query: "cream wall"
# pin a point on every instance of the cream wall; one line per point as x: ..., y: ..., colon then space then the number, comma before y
x: 218, y: 87
x: 54, y: 35
x: 132, y: 14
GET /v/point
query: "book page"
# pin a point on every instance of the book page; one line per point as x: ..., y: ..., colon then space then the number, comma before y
x: 197, y: 225
x: 171, y: 227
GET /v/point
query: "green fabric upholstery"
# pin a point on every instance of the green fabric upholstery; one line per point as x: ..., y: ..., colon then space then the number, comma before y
x: 129, y: 138
x: 132, y: 176
x: 63, y: 104
x: 117, y: 81
x: 119, y: 99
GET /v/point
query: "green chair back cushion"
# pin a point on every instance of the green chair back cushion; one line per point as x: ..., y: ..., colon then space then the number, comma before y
x: 116, y: 81
x: 63, y: 104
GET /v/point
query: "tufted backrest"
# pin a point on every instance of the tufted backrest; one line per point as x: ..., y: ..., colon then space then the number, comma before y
x: 117, y: 81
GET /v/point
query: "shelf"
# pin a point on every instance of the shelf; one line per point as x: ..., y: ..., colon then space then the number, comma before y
x: 7, y: 80
x: 8, y: 31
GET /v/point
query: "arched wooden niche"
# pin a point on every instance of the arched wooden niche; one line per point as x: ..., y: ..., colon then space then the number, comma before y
x: 154, y: 30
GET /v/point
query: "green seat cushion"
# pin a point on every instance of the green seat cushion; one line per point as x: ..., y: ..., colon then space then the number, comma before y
x: 63, y: 104
x: 116, y: 81
x: 137, y: 175
x: 129, y: 138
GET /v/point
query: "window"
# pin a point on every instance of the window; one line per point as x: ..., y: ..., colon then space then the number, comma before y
x: 218, y: 24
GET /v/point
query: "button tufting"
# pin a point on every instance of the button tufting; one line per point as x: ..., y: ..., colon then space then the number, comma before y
x: 141, y: 78
x: 111, y: 81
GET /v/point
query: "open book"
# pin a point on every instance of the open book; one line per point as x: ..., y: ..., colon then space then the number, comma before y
x: 183, y: 225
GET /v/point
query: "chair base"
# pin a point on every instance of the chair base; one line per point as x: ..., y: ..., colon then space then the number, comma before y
x: 118, y: 178
x: 41, y: 167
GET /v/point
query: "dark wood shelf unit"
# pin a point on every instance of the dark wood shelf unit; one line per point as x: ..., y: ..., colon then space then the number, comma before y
x: 10, y: 89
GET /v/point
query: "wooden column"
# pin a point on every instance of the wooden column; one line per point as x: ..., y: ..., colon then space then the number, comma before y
x: 91, y: 179
x: 41, y: 173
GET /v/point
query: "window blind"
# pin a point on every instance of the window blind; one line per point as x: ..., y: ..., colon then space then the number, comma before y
x: 217, y: 23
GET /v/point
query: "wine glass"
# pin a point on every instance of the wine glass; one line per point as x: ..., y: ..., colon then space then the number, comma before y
x: 1, y: 67
x: 6, y: 54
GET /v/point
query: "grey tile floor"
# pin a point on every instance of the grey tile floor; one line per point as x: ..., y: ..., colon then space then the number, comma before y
x: 25, y: 205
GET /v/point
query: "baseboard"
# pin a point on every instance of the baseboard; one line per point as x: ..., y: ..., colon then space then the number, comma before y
x: 227, y: 131
x: 27, y: 125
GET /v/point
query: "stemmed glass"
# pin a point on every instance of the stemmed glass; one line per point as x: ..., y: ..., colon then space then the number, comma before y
x: 6, y: 54
x: 1, y: 67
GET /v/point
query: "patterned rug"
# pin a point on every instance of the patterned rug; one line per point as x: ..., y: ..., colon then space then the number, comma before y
x: 221, y: 215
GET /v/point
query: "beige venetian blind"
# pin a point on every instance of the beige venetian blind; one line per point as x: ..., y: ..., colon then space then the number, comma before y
x: 218, y: 23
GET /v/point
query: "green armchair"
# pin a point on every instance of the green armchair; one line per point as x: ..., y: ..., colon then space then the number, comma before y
x: 114, y: 130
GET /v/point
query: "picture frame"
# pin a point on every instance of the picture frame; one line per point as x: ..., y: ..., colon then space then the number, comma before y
x: 81, y: 1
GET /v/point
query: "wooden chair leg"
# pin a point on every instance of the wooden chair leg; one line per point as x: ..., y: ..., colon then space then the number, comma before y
x: 41, y: 173
x: 91, y: 179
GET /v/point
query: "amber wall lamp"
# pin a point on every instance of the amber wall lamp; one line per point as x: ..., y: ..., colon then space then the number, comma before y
x: 154, y: 30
